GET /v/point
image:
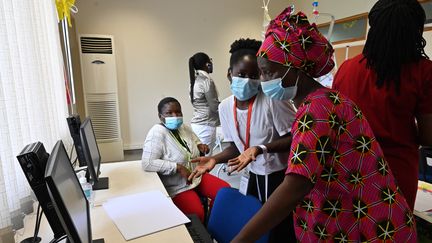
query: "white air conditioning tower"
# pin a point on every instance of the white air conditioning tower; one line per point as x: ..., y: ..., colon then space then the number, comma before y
x: 98, y: 67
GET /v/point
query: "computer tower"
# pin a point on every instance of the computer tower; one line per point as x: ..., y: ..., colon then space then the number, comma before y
x: 74, y: 123
x: 33, y: 159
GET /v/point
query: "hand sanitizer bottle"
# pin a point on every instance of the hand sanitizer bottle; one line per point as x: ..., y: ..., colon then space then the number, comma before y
x: 87, y: 188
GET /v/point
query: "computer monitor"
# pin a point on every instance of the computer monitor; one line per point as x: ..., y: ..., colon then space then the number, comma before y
x: 93, y: 158
x: 67, y: 196
x: 74, y: 123
x: 33, y: 159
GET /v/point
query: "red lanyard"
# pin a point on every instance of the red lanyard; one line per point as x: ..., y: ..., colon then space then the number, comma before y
x: 248, y: 123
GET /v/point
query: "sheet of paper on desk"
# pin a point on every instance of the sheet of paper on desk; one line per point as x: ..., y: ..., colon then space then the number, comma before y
x: 423, y: 201
x: 144, y: 213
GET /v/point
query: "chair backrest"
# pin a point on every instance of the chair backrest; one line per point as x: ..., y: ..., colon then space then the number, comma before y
x: 231, y: 211
x: 425, y: 165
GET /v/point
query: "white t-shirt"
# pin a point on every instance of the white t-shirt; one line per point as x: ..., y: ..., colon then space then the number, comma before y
x: 270, y: 120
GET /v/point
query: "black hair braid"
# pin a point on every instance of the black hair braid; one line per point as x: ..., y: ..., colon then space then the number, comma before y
x: 243, y: 47
x: 394, y: 39
x: 196, y: 62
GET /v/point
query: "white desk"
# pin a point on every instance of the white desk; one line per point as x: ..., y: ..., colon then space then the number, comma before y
x: 424, y: 215
x: 124, y: 178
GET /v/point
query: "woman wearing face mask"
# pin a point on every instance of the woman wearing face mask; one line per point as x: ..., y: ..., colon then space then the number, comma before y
x: 204, y: 98
x: 337, y: 183
x: 168, y: 149
x: 256, y: 126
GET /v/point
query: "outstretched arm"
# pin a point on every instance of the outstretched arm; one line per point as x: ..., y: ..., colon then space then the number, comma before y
x: 277, y: 146
x: 206, y: 164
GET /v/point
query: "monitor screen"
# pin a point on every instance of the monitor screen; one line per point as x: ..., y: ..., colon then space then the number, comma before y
x: 67, y: 195
x: 90, y: 148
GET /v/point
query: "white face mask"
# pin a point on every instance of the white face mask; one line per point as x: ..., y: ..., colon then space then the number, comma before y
x: 273, y: 88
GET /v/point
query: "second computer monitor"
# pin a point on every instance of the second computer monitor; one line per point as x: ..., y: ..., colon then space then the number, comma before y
x: 91, y: 152
x: 68, y: 198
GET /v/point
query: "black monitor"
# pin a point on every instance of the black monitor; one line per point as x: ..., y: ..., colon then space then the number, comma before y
x: 67, y: 196
x: 74, y: 123
x: 33, y: 159
x: 93, y: 158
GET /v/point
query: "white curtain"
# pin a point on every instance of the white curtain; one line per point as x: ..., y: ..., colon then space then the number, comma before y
x: 32, y: 92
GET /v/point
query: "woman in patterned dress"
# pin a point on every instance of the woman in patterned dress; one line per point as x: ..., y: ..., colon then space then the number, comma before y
x: 338, y: 182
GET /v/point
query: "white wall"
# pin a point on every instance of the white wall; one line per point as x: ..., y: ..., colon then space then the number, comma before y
x: 346, y: 8
x: 154, y: 40
x: 339, y: 8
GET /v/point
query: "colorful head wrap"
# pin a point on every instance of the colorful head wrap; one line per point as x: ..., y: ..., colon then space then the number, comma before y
x: 292, y: 41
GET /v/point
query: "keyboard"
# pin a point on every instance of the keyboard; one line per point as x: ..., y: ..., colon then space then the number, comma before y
x: 197, y: 230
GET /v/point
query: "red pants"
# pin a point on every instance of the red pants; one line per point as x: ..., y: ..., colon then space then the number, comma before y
x: 189, y: 202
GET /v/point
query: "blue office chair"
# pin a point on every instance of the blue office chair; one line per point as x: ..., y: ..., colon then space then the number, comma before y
x: 231, y: 211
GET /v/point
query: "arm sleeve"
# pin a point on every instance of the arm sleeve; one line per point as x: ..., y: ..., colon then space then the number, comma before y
x: 303, y: 159
x: 339, y: 76
x: 212, y: 96
x: 152, y: 154
x: 283, y: 115
x: 424, y: 104
x: 195, y: 138
x: 224, y: 123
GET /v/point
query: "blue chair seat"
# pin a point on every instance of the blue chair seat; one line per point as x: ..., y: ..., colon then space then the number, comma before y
x: 231, y: 211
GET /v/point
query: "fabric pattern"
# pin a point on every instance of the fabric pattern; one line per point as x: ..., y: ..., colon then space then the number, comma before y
x: 355, y: 197
x: 292, y: 41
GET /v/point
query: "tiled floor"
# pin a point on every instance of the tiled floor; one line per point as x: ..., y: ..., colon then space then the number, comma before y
x: 233, y: 180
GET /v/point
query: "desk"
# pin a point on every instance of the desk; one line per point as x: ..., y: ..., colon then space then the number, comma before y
x: 124, y: 178
x: 424, y: 215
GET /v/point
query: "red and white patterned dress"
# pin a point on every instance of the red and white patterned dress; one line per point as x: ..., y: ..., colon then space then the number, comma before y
x: 355, y: 197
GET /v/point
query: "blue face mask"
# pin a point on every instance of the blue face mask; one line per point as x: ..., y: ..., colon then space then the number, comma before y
x: 173, y: 123
x: 273, y: 88
x: 244, y: 88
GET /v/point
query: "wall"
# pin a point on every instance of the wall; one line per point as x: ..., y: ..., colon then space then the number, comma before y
x: 339, y: 8
x: 153, y: 41
x: 346, y: 8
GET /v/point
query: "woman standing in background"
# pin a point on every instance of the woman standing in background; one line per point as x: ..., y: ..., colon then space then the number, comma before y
x: 391, y: 81
x: 204, y: 98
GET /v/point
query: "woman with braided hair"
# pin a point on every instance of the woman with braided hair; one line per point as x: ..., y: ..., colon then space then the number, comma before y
x: 391, y: 82
x: 204, y: 98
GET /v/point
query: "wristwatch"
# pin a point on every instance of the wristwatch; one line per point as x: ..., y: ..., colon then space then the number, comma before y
x: 262, y: 149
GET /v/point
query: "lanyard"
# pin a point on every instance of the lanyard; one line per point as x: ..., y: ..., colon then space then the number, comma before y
x: 248, y: 123
x: 182, y: 144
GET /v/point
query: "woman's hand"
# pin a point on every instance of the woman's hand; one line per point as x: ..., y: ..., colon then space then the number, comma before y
x: 184, y: 172
x: 240, y: 162
x: 205, y: 164
x: 203, y: 148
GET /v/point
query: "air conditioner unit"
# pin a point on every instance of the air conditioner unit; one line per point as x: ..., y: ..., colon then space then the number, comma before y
x: 99, y: 75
